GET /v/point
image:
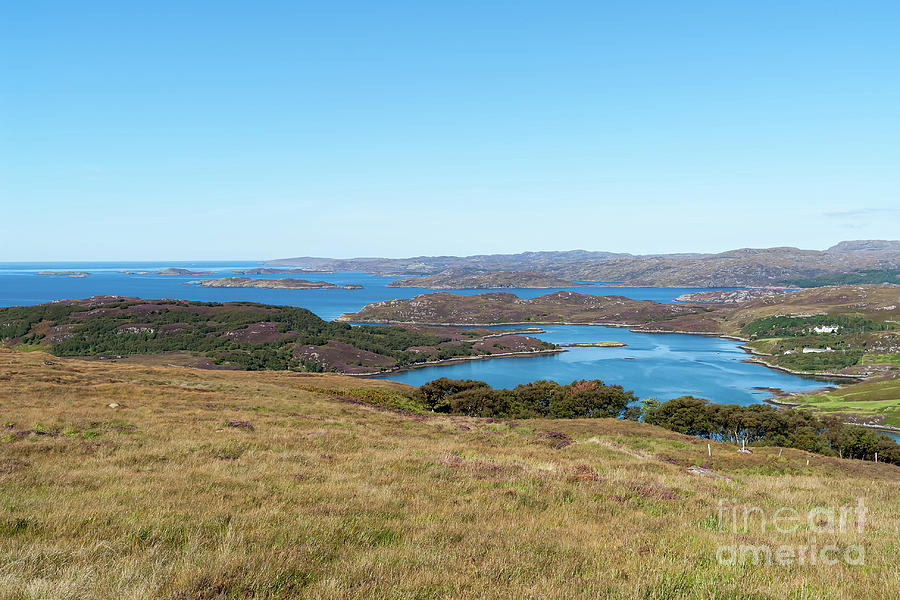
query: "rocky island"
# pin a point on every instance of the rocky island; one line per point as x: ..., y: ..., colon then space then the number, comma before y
x: 269, y: 271
x: 65, y: 273
x: 274, y: 284
x: 175, y: 271
x: 462, y: 279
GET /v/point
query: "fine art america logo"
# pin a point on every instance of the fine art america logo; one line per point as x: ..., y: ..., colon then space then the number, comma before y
x: 832, y: 523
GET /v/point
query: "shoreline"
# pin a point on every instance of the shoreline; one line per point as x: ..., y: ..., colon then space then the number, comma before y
x: 758, y: 361
x: 444, y: 361
x: 341, y: 319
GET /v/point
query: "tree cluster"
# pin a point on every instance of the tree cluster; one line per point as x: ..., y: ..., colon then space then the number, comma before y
x: 579, y: 399
x: 764, y: 425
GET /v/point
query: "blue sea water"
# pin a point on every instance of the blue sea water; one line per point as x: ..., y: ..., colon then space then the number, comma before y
x: 20, y: 285
x: 663, y: 366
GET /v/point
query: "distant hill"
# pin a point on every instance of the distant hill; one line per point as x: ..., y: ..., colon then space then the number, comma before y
x: 461, y: 279
x: 429, y: 265
x: 745, y: 267
x: 856, y: 277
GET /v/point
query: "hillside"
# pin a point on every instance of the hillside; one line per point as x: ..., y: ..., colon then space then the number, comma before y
x: 461, y: 279
x: 429, y: 265
x: 502, y: 307
x: 137, y: 482
x: 746, y: 267
x: 239, y: 335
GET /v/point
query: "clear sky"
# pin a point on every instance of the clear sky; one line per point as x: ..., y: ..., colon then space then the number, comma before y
x: 192, y: 130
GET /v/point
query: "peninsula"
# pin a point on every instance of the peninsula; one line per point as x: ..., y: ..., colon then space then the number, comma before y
x: 242, y: 335
x: 494, y: 308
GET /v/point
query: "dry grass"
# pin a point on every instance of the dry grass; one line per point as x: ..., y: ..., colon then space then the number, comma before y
x: 326, y: 498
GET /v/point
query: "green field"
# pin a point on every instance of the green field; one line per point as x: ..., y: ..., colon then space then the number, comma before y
x: 873, y: 358
x: 877, y: 402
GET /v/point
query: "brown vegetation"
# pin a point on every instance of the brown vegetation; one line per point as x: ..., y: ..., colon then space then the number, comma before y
x: 327, y: 498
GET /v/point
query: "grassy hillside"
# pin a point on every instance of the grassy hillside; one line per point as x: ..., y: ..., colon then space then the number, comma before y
x: 876, y: 402
x: 224, y: 484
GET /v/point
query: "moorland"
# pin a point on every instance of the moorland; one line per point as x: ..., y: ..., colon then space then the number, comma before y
x: 241, y: 335
x: 124, y: 481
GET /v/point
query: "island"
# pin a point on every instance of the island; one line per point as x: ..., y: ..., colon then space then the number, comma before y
x: 65, y: 273
x: 244, y: 335
x: 269, y: 271
x: 181, y: 272
x: 273, y: 284
x: 461, y: 279
x: 594, y: 345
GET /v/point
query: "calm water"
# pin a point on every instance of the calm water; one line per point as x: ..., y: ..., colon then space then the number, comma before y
x: 660, y: 365
x: 663, y: 365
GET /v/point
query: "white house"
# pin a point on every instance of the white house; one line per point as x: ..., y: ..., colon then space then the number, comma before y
x: 826, y: 329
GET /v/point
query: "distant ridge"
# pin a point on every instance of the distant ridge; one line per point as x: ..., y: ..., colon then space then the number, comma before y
x: 742, y: 267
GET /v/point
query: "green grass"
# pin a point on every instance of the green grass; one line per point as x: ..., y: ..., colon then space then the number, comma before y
x: 873, y: 358
x: 879, y: 399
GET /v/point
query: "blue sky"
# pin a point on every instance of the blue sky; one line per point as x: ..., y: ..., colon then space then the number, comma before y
x: 192, y: 130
